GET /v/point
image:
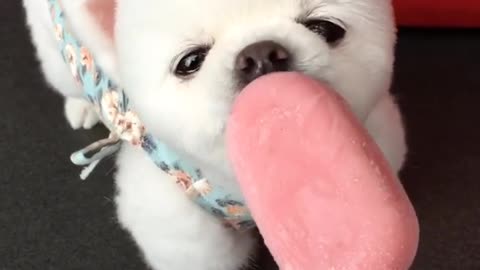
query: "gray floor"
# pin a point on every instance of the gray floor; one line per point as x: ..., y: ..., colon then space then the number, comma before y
x: 50, y: 220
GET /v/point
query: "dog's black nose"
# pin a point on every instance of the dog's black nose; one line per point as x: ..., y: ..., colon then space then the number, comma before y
x: 259, y: 59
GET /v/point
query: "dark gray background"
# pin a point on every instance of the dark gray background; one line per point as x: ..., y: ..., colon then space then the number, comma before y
x: 51, y: 220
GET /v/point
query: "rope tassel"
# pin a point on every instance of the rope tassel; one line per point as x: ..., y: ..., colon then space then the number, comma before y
x: 91, y: 155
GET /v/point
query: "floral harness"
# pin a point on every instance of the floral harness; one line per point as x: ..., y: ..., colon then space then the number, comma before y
x: 124, y: 124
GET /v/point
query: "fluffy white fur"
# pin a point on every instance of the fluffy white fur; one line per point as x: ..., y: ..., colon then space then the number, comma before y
x: 172, y: 232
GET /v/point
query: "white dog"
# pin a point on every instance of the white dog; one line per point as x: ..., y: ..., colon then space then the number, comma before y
x: 182, y: 63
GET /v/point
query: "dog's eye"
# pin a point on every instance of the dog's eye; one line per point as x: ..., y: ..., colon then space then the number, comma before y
x: 191, y: 63
x: 330, y: 31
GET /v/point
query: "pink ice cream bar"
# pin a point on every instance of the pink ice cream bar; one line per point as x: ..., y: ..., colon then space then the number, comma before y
x: 319, y: 188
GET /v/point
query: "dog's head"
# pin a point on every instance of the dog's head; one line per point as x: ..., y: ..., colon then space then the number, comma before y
x: 183, y: 62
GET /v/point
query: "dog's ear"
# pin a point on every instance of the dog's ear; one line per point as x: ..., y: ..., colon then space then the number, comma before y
x: 103, y: 12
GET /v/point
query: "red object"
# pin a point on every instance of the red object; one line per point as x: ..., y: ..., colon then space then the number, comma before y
x: 438, y: 13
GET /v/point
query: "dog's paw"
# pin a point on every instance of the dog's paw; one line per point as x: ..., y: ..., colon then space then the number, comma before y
x: 80, y: 113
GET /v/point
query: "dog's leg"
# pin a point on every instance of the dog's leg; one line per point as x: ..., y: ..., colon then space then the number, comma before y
x: 173, y: 232
x: 80, y: 113
x: 386, y: 127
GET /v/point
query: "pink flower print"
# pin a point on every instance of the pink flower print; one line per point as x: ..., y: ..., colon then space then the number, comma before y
x: 236, y: 210
x: 182, y: 179
x: 58, y: 32
x: 72, y: 61
x: 86, y: 59
x: 126, y: 125
x: 53, y: 12
x: 110, y: 107
x: 130, y: 128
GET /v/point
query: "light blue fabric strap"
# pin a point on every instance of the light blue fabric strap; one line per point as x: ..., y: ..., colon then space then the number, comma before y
x: 114, y: 109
